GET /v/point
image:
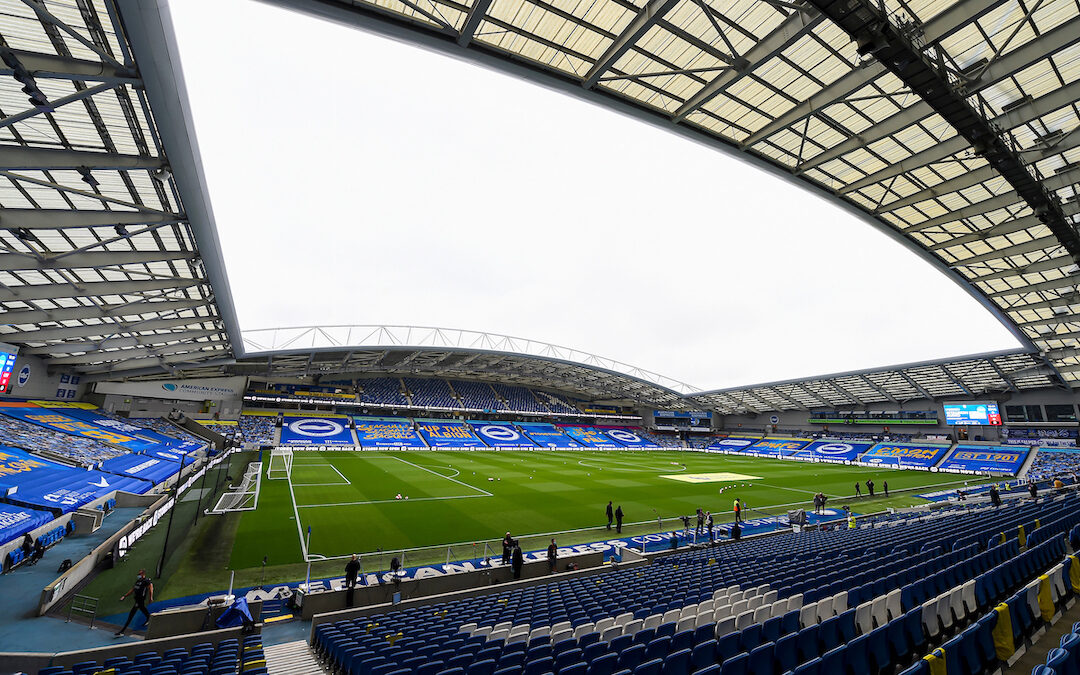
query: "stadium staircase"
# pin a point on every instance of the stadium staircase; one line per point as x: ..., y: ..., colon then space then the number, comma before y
x: 291, y: 658
x: 1026, y: 466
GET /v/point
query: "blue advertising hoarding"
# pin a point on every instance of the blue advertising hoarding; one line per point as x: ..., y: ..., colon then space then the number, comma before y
x: 837, y: 451
x: 777, y: 447
x: 548, y: 436
x: 386, y: 433
x: 629, y: 439
x: 733, y: 443
x: 149, y: 467
x: 316, y: 431
x: 590, y: 437
x: 904, y: 455
x: 500, y: 434
x: 15, y: 521
x: 981, y: 458
x: 449, y: 435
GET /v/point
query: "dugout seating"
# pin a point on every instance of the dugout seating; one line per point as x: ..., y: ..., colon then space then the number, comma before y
x: 228, y: 658
x: 849, y: 602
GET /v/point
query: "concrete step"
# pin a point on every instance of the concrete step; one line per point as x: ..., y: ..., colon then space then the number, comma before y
x: 291, y: 658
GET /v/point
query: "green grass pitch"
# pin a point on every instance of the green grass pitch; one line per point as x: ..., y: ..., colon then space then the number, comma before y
x: 348, y: 498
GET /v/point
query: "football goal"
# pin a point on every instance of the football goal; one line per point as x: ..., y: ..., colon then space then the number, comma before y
x: 242, y: 497
x: 280, y: 465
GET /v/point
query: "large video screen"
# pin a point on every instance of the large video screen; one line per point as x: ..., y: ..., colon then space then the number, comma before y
x: 974, y: 414
x: 7, y: 365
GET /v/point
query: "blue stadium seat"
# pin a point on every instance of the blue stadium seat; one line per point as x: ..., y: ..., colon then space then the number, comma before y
x: 808, y: 643
x: 762, y: 660
x: 857, y: 656
x: 787, y: 653
x: 604, y: 665
x: 728, y: 646
x: 677, y: 662
x: 632, y: 657
x: 736, y: 665
x: 484, y: 667
x: 811, y: 667
x: 1061, y: 661
x: 703, y: 654
x: 653, y: 667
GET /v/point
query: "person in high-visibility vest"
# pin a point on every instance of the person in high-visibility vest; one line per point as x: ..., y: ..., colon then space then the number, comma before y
x: 851, y: 521
x: 737, y: 507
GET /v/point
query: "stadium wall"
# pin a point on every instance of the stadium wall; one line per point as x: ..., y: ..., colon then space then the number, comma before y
x: 31, y: 379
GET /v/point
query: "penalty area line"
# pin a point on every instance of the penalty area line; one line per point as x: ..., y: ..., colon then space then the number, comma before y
x: 391, y: 501
x: 485, y: 493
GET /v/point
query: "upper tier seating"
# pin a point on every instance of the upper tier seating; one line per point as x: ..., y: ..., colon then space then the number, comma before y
x: 382, y: 390
x: 519, y: 399
x: 434, y: 393
x: 159, y: 425
x: 845, y: 602
x: 556, y: 403
x: 477, y: 395
x: 54, y: 444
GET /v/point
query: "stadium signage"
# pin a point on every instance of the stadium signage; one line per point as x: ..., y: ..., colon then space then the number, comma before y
x: 24, y: 376
x: 499, y: 433
x: 214, y: 388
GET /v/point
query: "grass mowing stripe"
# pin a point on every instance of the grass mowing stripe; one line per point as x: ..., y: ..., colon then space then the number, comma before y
x: 486, y: 493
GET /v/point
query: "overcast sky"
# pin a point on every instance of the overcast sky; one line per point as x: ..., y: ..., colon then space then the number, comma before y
x: 356, y: 180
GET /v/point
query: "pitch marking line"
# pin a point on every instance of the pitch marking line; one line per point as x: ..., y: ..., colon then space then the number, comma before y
x: 391, y: 501
x: 628, y: 467
x: 484, y: 493
x: 296, y: 514
x: 347, y: 481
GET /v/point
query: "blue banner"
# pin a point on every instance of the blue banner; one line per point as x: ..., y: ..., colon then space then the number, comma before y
x: 777, y: 447
x: 154, y: 467
x: 316, y: 431
x: 450, y: 435
x: 590, y: 437
x: 904, y: 456
x: 981, y: 458
x: 40, y: 483
x: 837, y: 451
x: 386, y: 434
x: 63, y: 423
x: 733, y: 443
x: 500, y: 435
x: 629, y: 439
x: 155, y: 438
x: 16, y: 521
x: 548, y: 436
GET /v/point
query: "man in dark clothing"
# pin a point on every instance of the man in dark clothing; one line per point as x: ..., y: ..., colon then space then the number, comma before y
x: 995, y: 496
x: 736, y: 532
x: 27, y: 545
x: 142, y: 590
x: 518, y: 561
x: 885, y: 487
x: 673, y: 541
x: 709, y: 525
x: 352, y: 568
x: 1033, y: 489
x: 618, y: 519
x: 553, y: 554
x: 610, y: 514
x: 858, y: 490
x: 870, y: 486
x: 700, y: 523
x: 508, y: 546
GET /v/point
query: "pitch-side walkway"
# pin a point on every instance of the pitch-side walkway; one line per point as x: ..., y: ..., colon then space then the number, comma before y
x: 291, y: 658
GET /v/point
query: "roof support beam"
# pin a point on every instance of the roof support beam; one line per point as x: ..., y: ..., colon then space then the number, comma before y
x: 787, y: 33
x: 105, y: 330
x: 1015, y: 117
x: 476, y: 16
x: 123, y: 342
x: 51, y: 66
x: 955, y: 380
x: 1038, y: 266
x: 157, y: 306
x: 18, y: 158
x: 907, y: 378
x: 193, y: 357
x: 649, y: 14
x: 92, y: 260
x: 94, y: 289
x: 812, y: 394
x: 59, y: 219
x: 880, y: 390
x: 1041, y: 244
x: 1007, y: 227
x: 1068, y: 281
x: 100, y: 357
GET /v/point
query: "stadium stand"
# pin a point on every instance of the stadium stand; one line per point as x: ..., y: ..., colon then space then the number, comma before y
x: 160, y: 426
x: 381, y: 432
x: 53, y: 444
x: 228, y: 428
x: 439, y: 434
x: 47, y: 485
x: 1050, y: 464
x: 556, y: 404
x: 431, y: 393
x: 477, y: 395
x: 519, y: 399
x: 228, y: 657
x: 257, y: 430
x: 867, y: 600
x: 383, y: 391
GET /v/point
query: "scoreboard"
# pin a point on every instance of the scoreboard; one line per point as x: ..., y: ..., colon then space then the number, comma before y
x: 974, y: 414
x: 7, y: 366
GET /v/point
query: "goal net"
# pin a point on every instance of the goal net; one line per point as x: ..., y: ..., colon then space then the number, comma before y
x: 280, y: 466
x: 242, y: 497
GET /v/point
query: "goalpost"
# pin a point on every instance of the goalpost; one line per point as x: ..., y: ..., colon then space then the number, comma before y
x: 280, y: 465
x: 242, y: 497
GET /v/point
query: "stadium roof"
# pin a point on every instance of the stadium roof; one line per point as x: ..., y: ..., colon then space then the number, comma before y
x: 955, y: 132
x: 110, y: 256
